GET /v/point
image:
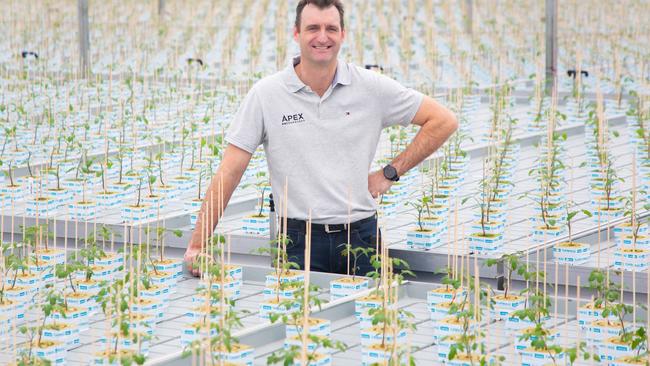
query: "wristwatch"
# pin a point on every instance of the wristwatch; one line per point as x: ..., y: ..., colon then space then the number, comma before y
x: 390, y: 173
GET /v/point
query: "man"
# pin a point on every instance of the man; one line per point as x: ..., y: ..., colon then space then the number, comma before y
x: 320, y: 120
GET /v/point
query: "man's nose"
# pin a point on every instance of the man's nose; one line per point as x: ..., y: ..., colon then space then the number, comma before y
x: 322, y: 35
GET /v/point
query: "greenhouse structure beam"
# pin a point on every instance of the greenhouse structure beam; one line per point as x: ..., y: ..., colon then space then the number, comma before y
x: 84, y: 37
x: 551, y: 44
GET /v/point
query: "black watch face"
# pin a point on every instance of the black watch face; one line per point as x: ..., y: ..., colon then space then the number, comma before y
x: 390, y: 172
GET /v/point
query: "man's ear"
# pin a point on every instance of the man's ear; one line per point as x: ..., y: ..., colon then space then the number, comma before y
x: 296, y: 33
x: 342, y: 35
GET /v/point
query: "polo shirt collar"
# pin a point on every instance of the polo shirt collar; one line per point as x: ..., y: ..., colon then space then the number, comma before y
x: 294, y: 83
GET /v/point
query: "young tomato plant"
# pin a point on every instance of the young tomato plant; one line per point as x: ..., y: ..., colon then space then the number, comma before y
x: 355, y: 253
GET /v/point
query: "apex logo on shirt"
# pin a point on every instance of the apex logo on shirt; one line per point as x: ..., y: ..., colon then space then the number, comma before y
x: 289, y: 119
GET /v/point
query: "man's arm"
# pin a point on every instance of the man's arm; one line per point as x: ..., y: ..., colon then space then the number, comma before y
x: 437, y: 124
x: 224, y: 182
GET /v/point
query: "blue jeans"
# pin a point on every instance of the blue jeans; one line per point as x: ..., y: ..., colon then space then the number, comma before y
x: 327, y: 248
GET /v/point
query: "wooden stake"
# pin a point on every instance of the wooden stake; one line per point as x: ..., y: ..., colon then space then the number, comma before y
x: 647, y: 315
x: 555, y: 287
x: 349, y: 222
x: 566, y: 291
x: 65, y: 244
x: 305, y: 320
x: 477, y: 292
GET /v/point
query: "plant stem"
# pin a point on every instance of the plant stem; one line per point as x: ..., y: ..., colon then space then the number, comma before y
x: 71, y: 283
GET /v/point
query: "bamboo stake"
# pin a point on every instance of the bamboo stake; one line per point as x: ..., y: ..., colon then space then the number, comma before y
x: 488, y: 298
x: 125, y: 242
x: 211, y: 210
x: 305, y: 320
x: 537, y: 270
x: 222, y: 301
x: 24, y: 248
x: 12, y: 220
x: 349, y: 222
x: 578, y: 330
x: 462, y: 269
x: 566, y: 291
x: 634, y: 241
x: 555, y: 288
x: 14, y: 325
x: 455, y: 242
x: 477, y: 293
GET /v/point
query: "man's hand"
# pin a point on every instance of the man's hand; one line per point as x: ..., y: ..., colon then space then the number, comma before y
x: 191, y: 255
x: 378, y: 184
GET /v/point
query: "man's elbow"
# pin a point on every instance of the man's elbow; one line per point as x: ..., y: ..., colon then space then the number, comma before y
x: 448, y: 122
x: 452, y: 122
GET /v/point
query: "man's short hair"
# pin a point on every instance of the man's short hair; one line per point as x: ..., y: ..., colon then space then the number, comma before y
x: 320, y: 4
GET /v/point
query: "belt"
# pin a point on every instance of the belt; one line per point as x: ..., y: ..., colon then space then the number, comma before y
x: 301, y: 225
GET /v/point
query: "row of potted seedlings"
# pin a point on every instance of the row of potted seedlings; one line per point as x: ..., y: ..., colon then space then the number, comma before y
x: 441, y: 186
x: 70, y: 149
x: 213, y: 317
x: 605, y: 320
x: 384, y: 326
x: 67, y: 291
x: 487, y: 231
x: 308, y: 339
x: 74, y: 192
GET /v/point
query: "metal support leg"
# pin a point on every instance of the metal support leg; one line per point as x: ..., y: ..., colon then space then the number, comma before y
x: 161, y: 7
x: 551, y: 44
x: 501, y: 277
x: 469, y: 16
x: 84, y: 37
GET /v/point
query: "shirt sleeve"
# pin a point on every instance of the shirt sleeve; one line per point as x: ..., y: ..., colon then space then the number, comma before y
x: 246, y: 129
x: 398, y: 103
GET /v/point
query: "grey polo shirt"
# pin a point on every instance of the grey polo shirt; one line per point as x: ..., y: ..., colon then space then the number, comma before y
x: 323, y: 145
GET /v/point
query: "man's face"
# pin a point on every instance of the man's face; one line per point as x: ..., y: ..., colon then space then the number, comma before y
x: 320, y: 34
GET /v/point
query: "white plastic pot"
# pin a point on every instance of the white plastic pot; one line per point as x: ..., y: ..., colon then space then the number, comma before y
x: 572, y: 252
x: 632, y: 259
x: 195, y: 331
x: 377, y: 355
x: 423, y: 240
x: 256, y: 225
x: 347, y: 286
x: 291, y: 276
x: 133, y: 214
x: 532, y: 357
x: 318, y: 327
x: 239, y: 354
x: 375, y: 334
x: 53, y: 351
x: 601, y: 330
x: 612, y: 349
x: 504, y: 307
x: 543, y: 234
x: 61, y: 332
x: 445, y: 294
x: 272, y: 306
x: 362, y: 305
x: 485, y: 244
